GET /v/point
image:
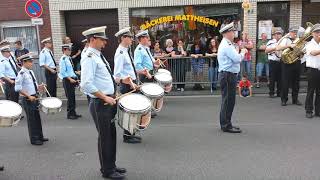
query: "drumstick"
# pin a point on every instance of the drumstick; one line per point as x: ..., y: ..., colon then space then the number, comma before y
x: 123, y: 95
x: 2, y: 88
x: 44, y: 86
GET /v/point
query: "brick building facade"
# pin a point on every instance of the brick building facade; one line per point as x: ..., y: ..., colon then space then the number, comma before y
x: 289, y: 13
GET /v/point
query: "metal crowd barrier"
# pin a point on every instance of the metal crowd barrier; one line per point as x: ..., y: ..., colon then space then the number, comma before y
x: 189, y: 71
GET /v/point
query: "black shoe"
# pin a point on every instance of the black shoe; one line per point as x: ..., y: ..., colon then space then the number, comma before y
x: 137, y: 137
x: 45, y: 139
x: 309, y: 115
x: 78, y: 115
x: 153, y: 115
x: 1, y: 168
x: 72, y: 117
x: 231, y: 130
x: 131, y: 140
x: 114, y: 175
x: 297, y: 102
x: 235, y: 127
x: 121, y: 170
x: 271, y: 96
x: 37, y: 142
x: 283, y: 103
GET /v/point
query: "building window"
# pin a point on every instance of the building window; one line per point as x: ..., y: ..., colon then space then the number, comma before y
x: 13, y: 31
x: 310, y: 12
x: 277, y: 12
x: 213, y: 17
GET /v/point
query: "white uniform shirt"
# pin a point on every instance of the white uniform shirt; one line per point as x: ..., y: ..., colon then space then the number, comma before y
x: 312, y: 61
x: 273, y: 56
x: 25, y: 82
x: 122, y: 64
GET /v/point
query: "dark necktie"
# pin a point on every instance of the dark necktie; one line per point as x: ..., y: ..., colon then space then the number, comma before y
x: 34, y: 82
x: 55, y: 64
x: 13, y: 67
x: 134, y: 68
x: 110, y: 72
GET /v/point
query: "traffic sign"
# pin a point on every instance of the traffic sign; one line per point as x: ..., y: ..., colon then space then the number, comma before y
x: 33, y: 8
x: 37, y: 21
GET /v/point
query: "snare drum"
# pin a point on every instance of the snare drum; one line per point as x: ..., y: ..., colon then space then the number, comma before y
x: 50, y: 105
x: 134, y: 112
x: 164, y: 71
x: 164, y: 80
x: 10, y: 113
x: 155, y: 93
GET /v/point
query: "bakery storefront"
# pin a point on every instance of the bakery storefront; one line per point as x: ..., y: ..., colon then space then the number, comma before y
x: 185, y: 21
x: 189, y: 24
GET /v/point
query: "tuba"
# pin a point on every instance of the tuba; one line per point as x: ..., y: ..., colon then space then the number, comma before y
x: 291, y: 55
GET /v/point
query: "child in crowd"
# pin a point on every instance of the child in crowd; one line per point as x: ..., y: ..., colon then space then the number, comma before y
x: 245, y: 87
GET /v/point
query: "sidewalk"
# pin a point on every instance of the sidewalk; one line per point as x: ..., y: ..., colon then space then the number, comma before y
x: 188, y: 91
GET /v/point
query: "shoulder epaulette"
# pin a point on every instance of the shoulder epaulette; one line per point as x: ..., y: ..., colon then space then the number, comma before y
x: 229, y: 43
x: 89, y: 54
x: 64, y: 58
x: 21, y: 72
x: 2, y: 60
x: 42, y: 51
x: 121, y: 52
x: 139, y: 48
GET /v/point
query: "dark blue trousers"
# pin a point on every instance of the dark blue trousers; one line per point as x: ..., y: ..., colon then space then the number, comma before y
x: 228, y: 84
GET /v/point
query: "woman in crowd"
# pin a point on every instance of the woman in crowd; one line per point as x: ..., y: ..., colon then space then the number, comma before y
x: 157, y: 52
x: 197, y: 63
x: 180, y: 72
x: 212, y: 53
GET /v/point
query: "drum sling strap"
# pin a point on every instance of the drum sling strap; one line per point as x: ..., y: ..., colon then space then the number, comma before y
x: 134, y: 68
x: 110, y: 72
x: 55, y: 64
x: 14, y: 67
x: 149, y: 55
x: 34, y: 82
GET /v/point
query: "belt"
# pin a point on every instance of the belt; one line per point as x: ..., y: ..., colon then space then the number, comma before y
x: 228, y: 72
x: 95, y: 98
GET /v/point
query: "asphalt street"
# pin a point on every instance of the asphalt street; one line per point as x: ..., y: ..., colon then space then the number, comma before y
x: 183, y: 143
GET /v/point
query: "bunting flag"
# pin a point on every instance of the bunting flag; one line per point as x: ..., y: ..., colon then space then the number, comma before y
x: 189, y: 25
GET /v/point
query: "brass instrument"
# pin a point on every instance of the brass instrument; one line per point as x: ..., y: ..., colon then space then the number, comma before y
x: 278, y: 53
x: 291, y: 55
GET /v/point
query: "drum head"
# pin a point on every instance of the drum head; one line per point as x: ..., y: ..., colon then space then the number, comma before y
x: 152, y: 90
x: 163, y: 77
x: 164, y: 71
x: 9, y: 109
x: 135, y: 103
x: 51, y: 102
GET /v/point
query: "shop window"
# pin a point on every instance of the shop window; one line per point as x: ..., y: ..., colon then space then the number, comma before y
x: 187, y: 30
x: 310, y: 12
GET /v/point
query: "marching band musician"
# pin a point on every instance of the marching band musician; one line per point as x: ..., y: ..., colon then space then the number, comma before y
x: 123, y: 68
x: 274, y: 62
x: 313, y: 65
x: 290, y: 72
x: 143, y: 60
x: 26, y: 84
x: 70, y: 80
x: 229, y: 66
x: 98, y: 82
x: 47, y: 61
x: 8, y: 73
